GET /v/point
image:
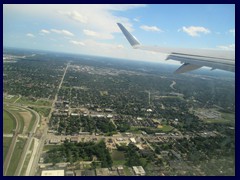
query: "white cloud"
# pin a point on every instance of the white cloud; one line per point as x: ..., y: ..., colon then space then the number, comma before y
x: 75, y: 15
x: 90, y: 33
x: 150, y: 28
x: 194, y: 30
x: 98, y: 18
x: 45, y: 31
x: 136, y: 19
x: 97, y: 35
x: 62, y: 32
x: 232, y: 31
x: 120, y: 46
x: 77, y: 43
x: 229, y: 47
x: 30, y: 35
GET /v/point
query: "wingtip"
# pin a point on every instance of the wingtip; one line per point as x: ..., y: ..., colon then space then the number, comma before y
x: 131, y: 39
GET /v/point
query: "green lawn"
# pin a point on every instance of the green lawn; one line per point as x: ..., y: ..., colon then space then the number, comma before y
x: 6, y: 144
x: 41, y: 110
x: 49, y: 147
x: 27, y: 101
x: 19, y: 119
x: 10, y: 100
x: 9, y: 122
x: 16, y: 156
x: 166, y: 128
x: 227, y: 118
x: 127, y: 171
x: 118, y: 157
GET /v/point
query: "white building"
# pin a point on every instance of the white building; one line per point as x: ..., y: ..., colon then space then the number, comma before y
x: 52, y: 173
x: 139, y: 171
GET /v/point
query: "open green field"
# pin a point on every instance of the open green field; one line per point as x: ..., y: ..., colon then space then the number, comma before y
x: 127, y: 171
x: 10, y: 99
x: 118, y: 157
x: 27, y: 101
x: 224, y: 166
x: 49, y: 147
x: 9, y: 122
x: 41, y: 110
x: 16, y: 111
x: 6, y: 144
x: 16, y: 156
x: 19, y: 119
x: 166, y: 128
x: 227, y: 118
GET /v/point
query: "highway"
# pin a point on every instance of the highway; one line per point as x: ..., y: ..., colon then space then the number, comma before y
x: 28, y: 142
x: 12, y: 146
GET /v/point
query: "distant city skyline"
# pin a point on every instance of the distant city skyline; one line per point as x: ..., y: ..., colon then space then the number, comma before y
x: 92, y: 29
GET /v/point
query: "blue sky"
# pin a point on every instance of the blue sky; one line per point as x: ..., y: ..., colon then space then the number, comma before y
x: 92, y: 29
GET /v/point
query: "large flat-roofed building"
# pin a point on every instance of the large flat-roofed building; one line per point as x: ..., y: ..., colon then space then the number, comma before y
x: 139, y: 171
x: 53, y: 172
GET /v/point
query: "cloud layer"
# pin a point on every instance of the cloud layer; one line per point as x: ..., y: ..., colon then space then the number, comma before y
x: 195, y: 30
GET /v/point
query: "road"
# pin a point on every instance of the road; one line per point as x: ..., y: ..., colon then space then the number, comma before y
x: 44, y: 135
x: 12, y: 146
x: 28, y: 142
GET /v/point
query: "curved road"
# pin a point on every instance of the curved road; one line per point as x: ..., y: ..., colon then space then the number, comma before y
x: 28, y: 143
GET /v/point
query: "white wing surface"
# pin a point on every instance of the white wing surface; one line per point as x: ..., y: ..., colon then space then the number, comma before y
x: 190, y: 58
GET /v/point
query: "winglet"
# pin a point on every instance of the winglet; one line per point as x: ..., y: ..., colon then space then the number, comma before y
x: 131, y: 39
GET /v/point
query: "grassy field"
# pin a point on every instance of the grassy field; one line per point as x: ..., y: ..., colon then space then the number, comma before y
x: 9, y: 122
x: 41, y: 110
x: 127, y: 171
x: 10, y: 100
x: 227, y: 118
x: 20, y: 120
x: 166, y: 128
x: 118, y: 157
x: 16, y: 156
x: 49, y: 147
x: 6, y: 144
x: 27, y: 101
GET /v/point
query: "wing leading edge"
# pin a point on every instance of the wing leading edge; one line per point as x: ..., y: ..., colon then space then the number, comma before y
x: 190, y: 58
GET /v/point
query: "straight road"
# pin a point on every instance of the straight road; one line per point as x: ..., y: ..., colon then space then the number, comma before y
x: 12, y: 146
x: 44, y: 135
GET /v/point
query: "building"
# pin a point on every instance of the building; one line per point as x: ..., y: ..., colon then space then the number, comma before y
x: 74, y: 139
x: 139, y: 171
x: 69, y: 173
x: 53, y: 172
x: 102, y: 172
x: 54, y: 141
x: 133, y: 140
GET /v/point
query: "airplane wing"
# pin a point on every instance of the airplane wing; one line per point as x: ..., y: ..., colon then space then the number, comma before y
x: 190, y: 58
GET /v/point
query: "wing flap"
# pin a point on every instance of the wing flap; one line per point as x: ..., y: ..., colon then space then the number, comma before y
x: 187, y: 67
